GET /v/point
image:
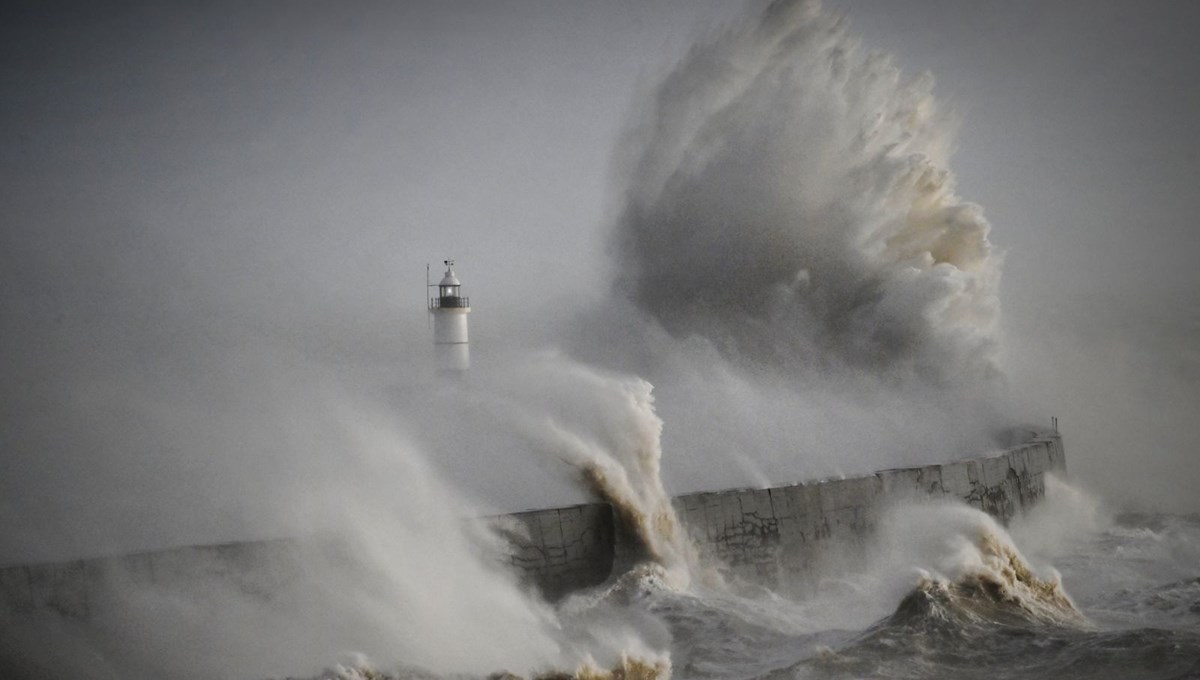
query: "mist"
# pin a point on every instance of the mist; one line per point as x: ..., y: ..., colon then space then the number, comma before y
x: 707, y: 246
x: 385, y: 565
x: 184, y: 241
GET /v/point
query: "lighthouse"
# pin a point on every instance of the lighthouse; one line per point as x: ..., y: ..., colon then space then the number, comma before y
x: 449, y: 310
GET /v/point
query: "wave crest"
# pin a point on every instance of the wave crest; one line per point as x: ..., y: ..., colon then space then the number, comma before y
x: 1000, y: 589
x: 794, y: 186
x: 627, y: 668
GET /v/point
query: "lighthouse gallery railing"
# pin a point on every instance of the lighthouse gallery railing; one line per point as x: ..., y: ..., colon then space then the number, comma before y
x: 449, y: 302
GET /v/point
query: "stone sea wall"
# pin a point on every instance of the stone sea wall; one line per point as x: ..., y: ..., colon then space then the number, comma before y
x: 562, y: 549
x: 765, y: 535
x: 782, y: 533
x: 80, y: 588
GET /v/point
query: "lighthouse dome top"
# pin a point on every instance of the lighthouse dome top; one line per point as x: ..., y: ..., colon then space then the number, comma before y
x: 449, y: 279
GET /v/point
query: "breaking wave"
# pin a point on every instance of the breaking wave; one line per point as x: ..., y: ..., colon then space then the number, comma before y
x: 969, y: 570
x: 997, y: 618
x: 1002, y: 588
x: 605, y: 426
x: 628, y: 668
x: 629, y: 477
x: 787, y: 199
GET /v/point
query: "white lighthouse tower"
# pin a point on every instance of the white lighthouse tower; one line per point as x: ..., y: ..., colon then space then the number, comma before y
x: 450, y: 310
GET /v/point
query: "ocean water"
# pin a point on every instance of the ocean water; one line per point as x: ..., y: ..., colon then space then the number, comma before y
x: 1133, y: 612
x: 940, y: 590
x: 948, y: 593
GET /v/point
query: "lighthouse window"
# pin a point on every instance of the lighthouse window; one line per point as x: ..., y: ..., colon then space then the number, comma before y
x: 449, y: 291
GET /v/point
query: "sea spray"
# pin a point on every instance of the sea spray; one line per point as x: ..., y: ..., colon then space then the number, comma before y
x: 793, y: 269
x: 627, y: 668
x: 392, y: 569
x: 1066, y: 514
x: 786, y: 198
x: 963, y: 554
x: 929, y: 547
x: 462, y: 612
x: 604, y: 425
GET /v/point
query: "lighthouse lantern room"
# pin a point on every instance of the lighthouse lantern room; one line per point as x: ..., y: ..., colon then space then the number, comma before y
x: 449, y: 309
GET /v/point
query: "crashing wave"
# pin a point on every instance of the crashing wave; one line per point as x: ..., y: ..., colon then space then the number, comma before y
x: 787, y: 199
x: 605, y: 425
x: 627, y: 668
x: 1000, y: 589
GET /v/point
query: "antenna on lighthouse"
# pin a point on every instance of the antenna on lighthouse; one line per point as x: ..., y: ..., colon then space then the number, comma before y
x: 449, y: 309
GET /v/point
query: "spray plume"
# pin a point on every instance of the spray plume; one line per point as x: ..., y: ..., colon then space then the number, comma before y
x: 605, y: 426
x: 970, y: 566
x: 787, y: 200
x: 387, y: 567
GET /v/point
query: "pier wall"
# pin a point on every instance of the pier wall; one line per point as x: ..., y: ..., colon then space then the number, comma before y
x: 767, y: 535
x: 782, y: 533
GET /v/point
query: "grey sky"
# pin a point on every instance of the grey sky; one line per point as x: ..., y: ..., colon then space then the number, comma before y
x: 1080, y: 141
x: 1079, y: 137
x: 191, y: 193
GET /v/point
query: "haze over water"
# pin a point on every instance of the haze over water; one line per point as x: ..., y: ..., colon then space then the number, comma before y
x: 750, y: 264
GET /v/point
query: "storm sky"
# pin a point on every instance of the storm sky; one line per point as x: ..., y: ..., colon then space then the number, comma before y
x: 203, y: 197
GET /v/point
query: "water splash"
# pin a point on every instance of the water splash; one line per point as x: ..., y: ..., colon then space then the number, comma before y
x: 605, y: 426
x: 1005, y: 579
x: 787, y: 198
x: 627, y: 668
x: 969, y: 568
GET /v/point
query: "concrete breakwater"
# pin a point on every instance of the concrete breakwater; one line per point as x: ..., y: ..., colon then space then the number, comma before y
x: 779, y: 534
x: 773, y: 535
